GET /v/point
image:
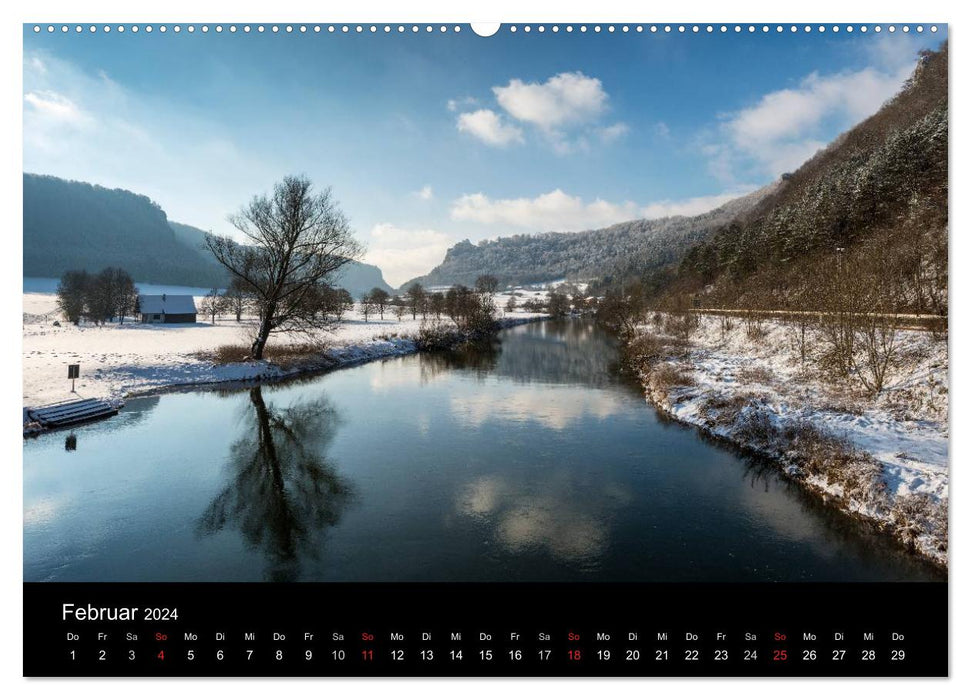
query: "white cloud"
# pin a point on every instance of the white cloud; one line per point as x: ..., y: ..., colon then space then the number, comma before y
x: 527, y: 406
x: 559, y: 211
x: 426, y: 193
x: 553, y: 211
x: 489, y: 127
x: 80, y: 124
x: 54, y: 106
x: 403, y: 253
x: 691, y: 206
x: 566, y: 112
x: 36, y: 63
x: 609, y: 134
x: 786, y: 127
x: 566, y: 98
x: 455, y: 105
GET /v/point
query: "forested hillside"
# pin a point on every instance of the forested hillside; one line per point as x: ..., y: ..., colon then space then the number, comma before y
x: 619, y: 251
x: 356, y: 277
x: 74, y: 225
x: 862, y: 222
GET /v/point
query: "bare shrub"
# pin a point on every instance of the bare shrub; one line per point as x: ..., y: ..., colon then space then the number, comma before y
x: 877, y: 339
x: 622, y: 313
x: 724, y: 409
x: 754, y: 375
x: 726, y: 324
x: 823, y: 453
x: 800, y: 336
x: 667, y: 376
x: 838, y: 334
x: 754, y: 427
x: 681, y: 324
x: 917, y: 515
x: 295, y: 354
x: 837, y: 461
x: 436, y: 336
x: 755, y: 326
x: 225, y: 354
x: 644, y: 350
x: 285, y: 355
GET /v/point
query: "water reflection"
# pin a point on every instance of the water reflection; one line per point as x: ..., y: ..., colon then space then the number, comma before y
x: 559, y: 411
x: 478, y: 358
x: 559, y: 352
x: 569, y: 521
x: 282, y: 495
x: 546, y: 467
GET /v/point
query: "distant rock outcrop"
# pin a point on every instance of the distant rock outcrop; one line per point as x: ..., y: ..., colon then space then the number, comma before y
x: 624, y: 249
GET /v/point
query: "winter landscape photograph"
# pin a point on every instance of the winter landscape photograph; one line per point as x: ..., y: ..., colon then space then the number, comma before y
x: 564, y: 303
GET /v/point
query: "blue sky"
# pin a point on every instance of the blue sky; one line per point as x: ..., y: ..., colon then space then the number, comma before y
x: 427, y: 139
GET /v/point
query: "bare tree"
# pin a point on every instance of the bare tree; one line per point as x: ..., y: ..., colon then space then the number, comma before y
x: 380, y: 299
x: 883, y: 294
x: 101, y: 298
x: 368, y: 306
x: 436, y: 304
x: 579, y: 301
x: 558, y: 304
x: 296, y: 240
x: 416, y: 299
x: 487, y: 284
x: 71, y: 294
x: 126, y: 301
x: 212, y: 304
x: 236, y: 298
x: 399, y: 307
x: 338, y: 302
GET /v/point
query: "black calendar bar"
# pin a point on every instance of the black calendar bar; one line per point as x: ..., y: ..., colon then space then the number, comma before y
x: 535, y: 629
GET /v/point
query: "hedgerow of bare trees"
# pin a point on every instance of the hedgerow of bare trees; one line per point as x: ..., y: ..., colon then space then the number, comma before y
x: 379, y: 298
x: 212, y: 304
x: 99, y: 298
x: 416, y: 297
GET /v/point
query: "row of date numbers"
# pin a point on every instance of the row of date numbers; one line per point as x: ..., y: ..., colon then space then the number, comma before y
x: 516, y: 655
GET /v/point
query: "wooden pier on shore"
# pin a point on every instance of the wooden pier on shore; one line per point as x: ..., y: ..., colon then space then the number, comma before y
x: 67, y: 413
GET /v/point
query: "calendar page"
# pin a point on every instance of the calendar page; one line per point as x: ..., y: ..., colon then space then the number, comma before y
x: 447, y: 349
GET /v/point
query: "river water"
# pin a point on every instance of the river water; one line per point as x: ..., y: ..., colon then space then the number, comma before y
x: 528, y: 459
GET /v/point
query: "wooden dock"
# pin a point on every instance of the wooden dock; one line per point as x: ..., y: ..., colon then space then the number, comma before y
x: 66, y: 413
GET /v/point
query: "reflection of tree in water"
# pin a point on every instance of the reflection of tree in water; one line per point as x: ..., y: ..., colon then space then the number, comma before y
x: 477, y: 356
x: 560, y: 352
x: 283, y: 495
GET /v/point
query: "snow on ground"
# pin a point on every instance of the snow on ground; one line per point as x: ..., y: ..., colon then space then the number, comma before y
x: 121, y: 359
x: 904, y: 429
x: 908, y: 434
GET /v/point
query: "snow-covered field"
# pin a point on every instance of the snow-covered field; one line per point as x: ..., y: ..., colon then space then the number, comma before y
x: 118, y: 360
x: 725, y: 378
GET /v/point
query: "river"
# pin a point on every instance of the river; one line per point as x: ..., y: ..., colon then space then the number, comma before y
x: 531, y: 458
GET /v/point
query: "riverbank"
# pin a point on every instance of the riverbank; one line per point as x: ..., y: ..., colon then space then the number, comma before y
x: 119, y: 360
x: 883, y: 459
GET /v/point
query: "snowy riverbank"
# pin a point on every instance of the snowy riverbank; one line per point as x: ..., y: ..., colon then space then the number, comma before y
x: 882, y: 458
x: 119, y: 360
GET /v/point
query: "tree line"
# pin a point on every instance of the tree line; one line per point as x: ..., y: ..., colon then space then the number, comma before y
x: 98, y: 298
x: 323, y: 303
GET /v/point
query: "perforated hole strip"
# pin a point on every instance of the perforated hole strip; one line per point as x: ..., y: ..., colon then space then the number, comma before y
x: 531, y: 29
